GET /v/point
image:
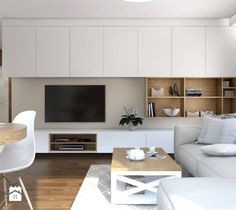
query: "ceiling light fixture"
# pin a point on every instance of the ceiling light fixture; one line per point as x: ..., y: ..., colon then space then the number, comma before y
x: 137, y: 1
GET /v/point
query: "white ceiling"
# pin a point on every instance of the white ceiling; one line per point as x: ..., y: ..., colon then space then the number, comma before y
x: 118, y: 8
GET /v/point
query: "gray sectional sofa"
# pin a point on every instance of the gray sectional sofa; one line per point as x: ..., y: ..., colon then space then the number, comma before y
x: 214, y: 184
x: 190, y: 157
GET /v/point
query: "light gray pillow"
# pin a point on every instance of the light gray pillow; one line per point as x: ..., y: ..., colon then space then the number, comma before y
x: 210, y: 130
x: 219, y: 149
x: 216, y: 130
x: 228, y: 131
x: 221, y: 116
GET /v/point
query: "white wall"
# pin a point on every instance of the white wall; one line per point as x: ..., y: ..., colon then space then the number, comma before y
x: 120, y: 92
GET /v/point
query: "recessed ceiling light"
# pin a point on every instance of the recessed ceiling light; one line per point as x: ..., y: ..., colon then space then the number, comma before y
x: 137, y: 1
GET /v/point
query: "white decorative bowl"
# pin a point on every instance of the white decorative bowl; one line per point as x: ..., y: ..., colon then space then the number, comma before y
x: 170, y: 112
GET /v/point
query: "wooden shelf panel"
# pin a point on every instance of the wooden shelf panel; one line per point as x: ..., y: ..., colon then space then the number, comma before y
x: 203, y: 97
x: 229, y: 97
x: 165, y: 97
x: 229, y: 88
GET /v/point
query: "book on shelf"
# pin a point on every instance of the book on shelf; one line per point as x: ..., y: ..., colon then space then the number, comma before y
x: 151, y: 110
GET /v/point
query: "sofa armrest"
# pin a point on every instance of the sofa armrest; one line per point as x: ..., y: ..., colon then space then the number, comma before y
x: 185, y: 134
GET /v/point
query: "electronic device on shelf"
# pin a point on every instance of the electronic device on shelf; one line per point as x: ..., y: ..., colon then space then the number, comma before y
x: 70, y: 147
x: 194, y: 92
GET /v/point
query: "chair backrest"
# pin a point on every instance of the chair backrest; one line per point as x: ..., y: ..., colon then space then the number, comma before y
x: 27, y: 145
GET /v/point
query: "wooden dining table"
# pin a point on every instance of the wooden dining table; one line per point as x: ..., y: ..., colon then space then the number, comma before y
x: 11, y: 133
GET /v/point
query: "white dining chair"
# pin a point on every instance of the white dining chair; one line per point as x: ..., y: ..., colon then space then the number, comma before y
x: 19, y: 155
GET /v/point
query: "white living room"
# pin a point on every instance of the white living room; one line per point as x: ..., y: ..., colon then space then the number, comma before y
x: 118, y: 104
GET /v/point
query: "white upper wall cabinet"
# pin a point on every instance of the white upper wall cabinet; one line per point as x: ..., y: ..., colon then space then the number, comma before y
x: 188, y: 52
x: 120, y: 51
x: 154, y: 51
x: 53, y: 52
x: 19, y: 51
x: 86, y: 51
x: 221, y: 51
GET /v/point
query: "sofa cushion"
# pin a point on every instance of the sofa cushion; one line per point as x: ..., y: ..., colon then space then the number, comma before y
x: 219, y: 150
x: 216, y: 166
x: 216, y: 130
x: 197, y: 194
x: 188, y: 154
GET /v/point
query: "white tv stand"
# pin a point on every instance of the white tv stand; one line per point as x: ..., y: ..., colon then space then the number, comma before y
x: 101, y: 140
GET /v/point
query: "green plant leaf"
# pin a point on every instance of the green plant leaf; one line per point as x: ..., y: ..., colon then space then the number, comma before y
x: 126, y: 119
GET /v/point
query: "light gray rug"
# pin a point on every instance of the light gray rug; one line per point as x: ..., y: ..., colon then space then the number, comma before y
x: 95, y: 192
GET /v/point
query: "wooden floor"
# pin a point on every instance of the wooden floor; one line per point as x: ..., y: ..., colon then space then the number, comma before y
x: 54, y: 179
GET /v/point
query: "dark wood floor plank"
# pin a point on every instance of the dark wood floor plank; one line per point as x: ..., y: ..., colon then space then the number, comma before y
x: 53, y: 180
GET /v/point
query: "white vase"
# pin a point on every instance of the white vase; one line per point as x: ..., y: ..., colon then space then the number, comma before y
x: 131, y: 127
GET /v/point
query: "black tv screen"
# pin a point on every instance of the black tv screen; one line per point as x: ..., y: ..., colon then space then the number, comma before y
x: 75, y: 103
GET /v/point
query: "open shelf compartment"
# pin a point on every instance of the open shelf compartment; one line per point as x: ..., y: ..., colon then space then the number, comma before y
x: 203, y: 104
x: 211, y: 87
x: 165, y: 83
x: 73, y: 142
x: 229, y: 105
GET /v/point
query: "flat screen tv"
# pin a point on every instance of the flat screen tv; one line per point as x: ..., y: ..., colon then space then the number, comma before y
x: 74, y: 103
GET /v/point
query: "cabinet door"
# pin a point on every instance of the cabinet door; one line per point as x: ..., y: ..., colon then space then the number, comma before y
x: 106, y: 141
x: 163, y: 139
x: 19, y: 51
x: 188, y: 52
x: 53, y: 52
x: 154, y: 47
x: 220, y: 51
x: 120, y: 51
x: 86, y: 57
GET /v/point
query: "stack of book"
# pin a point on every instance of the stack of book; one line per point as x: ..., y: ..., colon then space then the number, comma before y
x: 151, y: 110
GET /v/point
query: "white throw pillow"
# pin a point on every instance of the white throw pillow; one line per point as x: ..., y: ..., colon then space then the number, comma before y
x: 216, y: 130
x: 228, y: 131
x: 210, y: 130
x: 220, y: 149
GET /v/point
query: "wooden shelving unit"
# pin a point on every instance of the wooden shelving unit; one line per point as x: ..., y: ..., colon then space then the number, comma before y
x: 66, y: 142
x: 229, y: 103
x: 213, y: 95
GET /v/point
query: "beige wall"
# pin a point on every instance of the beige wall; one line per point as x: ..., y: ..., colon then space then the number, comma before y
x: 28, y: 93
x: 3, y: 97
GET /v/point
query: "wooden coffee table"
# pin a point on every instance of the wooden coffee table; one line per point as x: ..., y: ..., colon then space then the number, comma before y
x: 136, y: 182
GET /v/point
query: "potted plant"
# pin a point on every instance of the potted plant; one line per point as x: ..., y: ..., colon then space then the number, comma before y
x: 130, y: 118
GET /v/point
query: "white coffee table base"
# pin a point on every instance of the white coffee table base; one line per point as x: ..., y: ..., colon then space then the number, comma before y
x: 137, y: 187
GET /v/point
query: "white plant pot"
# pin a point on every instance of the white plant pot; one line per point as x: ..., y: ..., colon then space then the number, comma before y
x: 131, y: 127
